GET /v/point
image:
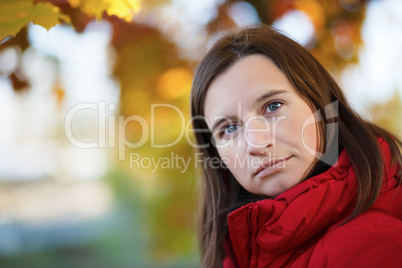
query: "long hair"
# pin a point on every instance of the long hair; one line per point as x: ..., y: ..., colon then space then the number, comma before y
x: 220, y: 191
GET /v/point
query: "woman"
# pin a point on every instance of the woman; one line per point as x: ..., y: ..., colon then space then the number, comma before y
x: 302, y: 180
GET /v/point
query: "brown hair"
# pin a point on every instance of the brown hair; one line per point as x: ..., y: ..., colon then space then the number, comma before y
x: 220, y: 191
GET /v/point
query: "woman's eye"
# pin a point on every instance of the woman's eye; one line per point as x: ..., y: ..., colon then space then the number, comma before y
x: 273, y: 106
x: 229, y: 129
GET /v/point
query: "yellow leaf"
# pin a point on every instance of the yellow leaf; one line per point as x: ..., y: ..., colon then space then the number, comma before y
x: 90, y: 7
x: 74, y: 3
x: 125, y: 9
x: 14, y: 15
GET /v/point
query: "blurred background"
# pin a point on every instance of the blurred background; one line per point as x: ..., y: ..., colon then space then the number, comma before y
x: 96, y: 163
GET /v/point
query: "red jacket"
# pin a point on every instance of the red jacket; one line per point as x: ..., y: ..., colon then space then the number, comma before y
x: 300, y: 227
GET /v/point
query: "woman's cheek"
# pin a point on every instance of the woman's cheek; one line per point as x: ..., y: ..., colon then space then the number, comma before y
x: 308, y: 131
x: 226, y: 156
x: 229, y: 156
x: 310, y: 137
x: 303, y: 128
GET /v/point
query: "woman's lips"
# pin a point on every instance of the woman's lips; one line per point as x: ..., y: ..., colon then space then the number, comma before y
x: 270, y: 167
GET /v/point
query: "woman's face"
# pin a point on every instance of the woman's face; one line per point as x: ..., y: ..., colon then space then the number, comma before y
x: 264, y: 131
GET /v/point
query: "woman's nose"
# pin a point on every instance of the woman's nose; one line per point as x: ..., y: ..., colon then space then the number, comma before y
x: 258, y: 136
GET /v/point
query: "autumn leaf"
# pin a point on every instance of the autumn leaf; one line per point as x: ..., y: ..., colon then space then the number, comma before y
x: 14, y: 15
x: 125, y: 9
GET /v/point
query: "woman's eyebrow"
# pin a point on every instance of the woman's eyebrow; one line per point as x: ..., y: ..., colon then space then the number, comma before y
x: 268, y: 95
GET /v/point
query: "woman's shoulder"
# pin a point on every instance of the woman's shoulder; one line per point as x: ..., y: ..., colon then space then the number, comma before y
x: 372, y: 239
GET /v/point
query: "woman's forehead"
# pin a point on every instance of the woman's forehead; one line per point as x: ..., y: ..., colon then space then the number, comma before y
x: 246, y: 81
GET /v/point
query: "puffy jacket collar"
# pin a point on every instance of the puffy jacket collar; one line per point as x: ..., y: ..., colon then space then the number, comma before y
x: 299, y: 214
